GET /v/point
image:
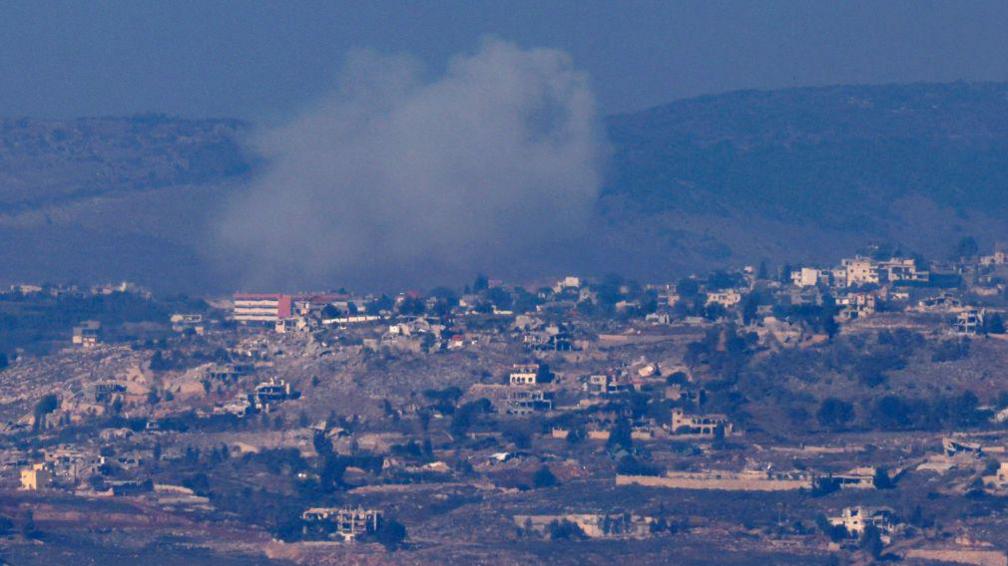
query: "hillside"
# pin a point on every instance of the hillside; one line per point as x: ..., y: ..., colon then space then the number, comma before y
x: 799, y: 174
x: 816, y: 171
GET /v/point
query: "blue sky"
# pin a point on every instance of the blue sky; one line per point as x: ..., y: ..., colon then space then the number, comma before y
x: 264, y: 61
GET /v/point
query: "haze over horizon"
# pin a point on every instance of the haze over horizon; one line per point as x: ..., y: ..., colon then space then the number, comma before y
x: 266, y: 62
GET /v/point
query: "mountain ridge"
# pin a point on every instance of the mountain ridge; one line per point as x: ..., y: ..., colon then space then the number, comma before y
x: 802, y: 174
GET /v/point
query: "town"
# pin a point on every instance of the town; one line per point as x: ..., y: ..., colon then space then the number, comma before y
x: 798, y: 413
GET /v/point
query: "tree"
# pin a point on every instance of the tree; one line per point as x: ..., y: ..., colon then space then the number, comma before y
x: 993, y: 324
x: 481, y: 283
x: 620, y: 436
x: 871, y: 541
x: 835, y: 413
x: 544, y: 478
x: 882, y: 479
x: 565, y: 530
x: 391, y: 534
x: 967, y: 247
x: 4, y: 362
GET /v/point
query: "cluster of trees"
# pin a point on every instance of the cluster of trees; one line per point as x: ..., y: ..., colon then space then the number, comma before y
x: 895, y: 412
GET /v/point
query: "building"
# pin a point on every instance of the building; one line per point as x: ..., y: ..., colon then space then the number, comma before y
x: 524, y: 374
x: 261, y: 307
x: 808, y: 277
x: 902, y: 269
x: 568, y: 282
x: 703, y: 425
x: 182, y: 322
x: 36, y: 477
x: 604, y: 384
x: 528, y: 401
x: 727, y: 299
x: 272, y: 392
x: 854, y: 306
x: 860, y: 271
x: 969, y: 322
x: 87, y: 335
x: 856, y: 519
x: 347, y: 523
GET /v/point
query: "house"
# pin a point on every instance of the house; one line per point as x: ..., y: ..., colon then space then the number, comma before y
x: 860, y: 271
x: 808, y: 277
x: 1000, y: 477
x: 524, y: 374
x: 528, y: 401
x: 348, y: 523
x: 272, y: 392
x: 87, y: 334
x: 902, y: 269
x: 182, y: 322
x: 727, y: 299
x: 999, y: 257
x: 702, y: 425
x: 856, y: 519
x: 604, y: 384
x: 36, y: 477
x: 854, y: 306
x: 569, y: 282
x: 969, y: 322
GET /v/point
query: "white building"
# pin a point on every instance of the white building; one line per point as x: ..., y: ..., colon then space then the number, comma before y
x: 808, y: 277
x: 524, y: 374
x: 860, y: 271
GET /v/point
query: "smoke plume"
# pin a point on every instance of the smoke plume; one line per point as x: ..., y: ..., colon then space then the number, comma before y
x: 398, y: 177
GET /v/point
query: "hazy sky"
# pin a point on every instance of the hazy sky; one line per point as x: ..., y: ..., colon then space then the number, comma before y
x: 266, y: 60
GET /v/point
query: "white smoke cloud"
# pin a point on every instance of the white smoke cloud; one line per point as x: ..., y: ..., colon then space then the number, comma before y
x: 402, y: 179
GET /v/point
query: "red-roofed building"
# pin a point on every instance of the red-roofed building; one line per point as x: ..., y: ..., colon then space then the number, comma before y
x: 261, y: 307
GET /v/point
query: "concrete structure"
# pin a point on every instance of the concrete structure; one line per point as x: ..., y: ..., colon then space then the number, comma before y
x: 528, y: 401
x: 747, y: 480
x: 856, y: 519
x: 36, y: 477
x: 809, y: 277
x: 860, y: 271
x: 261, y: 307
x: 87, y: 334
x: 727, y: 299
x: 347, y: 523
x: 902, y: 269
x: 271, y: 392
x: 969, y: 322
x: 524, y: 374
x: 703, y: 425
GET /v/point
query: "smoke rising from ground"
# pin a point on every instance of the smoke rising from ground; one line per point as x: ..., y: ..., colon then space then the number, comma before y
x: 406, y: 179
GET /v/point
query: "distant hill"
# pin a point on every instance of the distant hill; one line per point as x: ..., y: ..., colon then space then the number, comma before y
x: 798, y: 174
x: 810, y: 172
x: 44, y: 162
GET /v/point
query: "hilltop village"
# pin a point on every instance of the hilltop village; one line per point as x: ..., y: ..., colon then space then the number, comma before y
x: 797, y: 414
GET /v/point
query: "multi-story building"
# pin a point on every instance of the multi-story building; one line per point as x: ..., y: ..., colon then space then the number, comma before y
x: 261, y: 307
x: 809, y: 277
x: 860, y: 271
x: 902, y: 269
